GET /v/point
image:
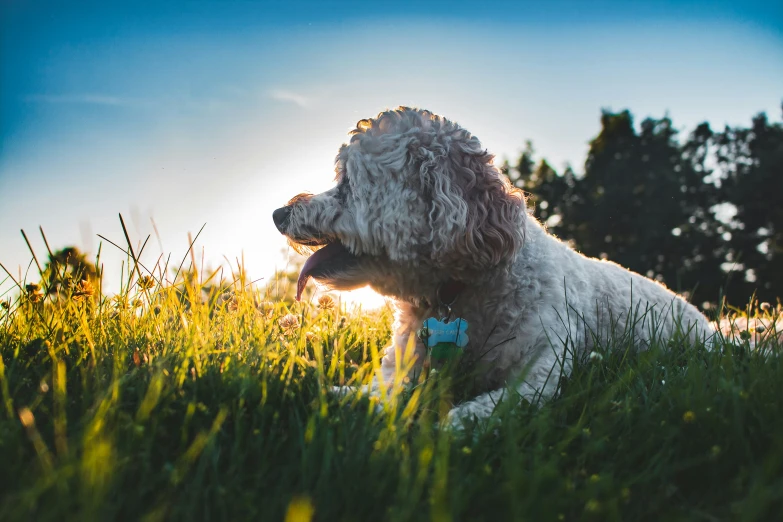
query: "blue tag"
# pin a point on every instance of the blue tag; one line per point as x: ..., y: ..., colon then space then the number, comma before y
x: 435, y: 332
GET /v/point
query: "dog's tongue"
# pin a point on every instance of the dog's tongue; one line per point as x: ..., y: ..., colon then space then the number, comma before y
x: 327, y: 252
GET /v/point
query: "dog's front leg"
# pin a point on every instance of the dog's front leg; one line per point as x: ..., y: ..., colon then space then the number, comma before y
x: 400, y: 359
x: 540, y: 384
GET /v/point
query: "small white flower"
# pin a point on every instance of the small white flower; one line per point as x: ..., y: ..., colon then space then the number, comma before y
x: 596, y: 357
x: 289, y: 323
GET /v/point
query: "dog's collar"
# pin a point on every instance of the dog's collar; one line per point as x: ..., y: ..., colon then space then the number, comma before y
x: 446, y: 294
x: 448, y: 291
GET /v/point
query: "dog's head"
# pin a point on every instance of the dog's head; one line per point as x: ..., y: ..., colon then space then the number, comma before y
x: 416, y: 193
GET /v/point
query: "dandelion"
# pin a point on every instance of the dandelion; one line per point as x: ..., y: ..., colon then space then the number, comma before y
x: 596, y: 357
x: 146, y: 282
x: 487, y: 469
x: 44, y: 387
x: 765, y: 307
x: 466, y: 450
x: 300, y: 509
x: 595, y: 478
x: 592, y: 506
x: 688, y: 417
x: 83, y: 290
x: 289, y: 323
x: 325, y: 302
x: 34, y: 293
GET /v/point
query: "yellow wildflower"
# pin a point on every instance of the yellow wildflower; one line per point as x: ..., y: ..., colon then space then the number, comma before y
x: 592, y: 506
x: 83, y: 290
x: 300, y: 509
x: 146, y: 282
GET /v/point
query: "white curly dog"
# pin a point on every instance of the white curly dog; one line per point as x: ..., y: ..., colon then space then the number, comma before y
x: 421, y: 213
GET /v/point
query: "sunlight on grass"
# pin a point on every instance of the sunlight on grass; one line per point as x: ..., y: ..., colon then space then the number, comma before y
x: 201, y: 400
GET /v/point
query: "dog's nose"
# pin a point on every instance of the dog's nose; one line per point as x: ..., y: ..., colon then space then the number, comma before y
x: 280, y: 216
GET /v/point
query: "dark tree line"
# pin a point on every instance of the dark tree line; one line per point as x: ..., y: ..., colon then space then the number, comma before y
x: 703, y: 214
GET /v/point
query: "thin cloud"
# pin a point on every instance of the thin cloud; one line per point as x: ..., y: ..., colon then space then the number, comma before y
x: 289, y: 96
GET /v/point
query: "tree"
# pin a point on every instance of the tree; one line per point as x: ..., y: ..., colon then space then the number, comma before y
x: 750, y: 161
x: 643, y: 201
x: 546, y: 189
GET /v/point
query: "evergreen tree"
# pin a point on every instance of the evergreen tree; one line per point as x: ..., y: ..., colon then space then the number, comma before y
x: 750, y: 161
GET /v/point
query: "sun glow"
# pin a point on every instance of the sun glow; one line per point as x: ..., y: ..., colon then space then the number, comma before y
x: 365, y: 297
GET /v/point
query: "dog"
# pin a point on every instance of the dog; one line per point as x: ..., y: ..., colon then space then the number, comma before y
x: 422, y: 214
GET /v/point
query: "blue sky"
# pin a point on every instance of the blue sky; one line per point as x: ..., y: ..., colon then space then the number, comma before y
x: 219, y: 112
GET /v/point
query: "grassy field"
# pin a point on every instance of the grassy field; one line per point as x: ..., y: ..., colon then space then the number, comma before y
x: 156, y: 405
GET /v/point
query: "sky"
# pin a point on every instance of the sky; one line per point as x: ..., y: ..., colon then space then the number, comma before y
x: 217, y: 113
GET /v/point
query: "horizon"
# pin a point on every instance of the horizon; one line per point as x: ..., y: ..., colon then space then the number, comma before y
x: 196, y: 113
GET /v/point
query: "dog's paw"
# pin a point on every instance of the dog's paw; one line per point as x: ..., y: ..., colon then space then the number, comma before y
x: 344, y: 391
x: 459, y: 417
x: 372, y: 391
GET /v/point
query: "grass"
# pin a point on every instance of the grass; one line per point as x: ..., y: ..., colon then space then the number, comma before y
x: 163, y: 404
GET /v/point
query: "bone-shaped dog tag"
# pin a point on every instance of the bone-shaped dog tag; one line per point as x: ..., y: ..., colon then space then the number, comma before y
x: 435, y: 332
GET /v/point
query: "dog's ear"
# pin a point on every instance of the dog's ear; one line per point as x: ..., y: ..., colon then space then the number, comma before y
x: 477, y: 216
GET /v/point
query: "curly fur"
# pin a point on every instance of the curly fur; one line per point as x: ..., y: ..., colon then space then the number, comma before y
x: 419, y: 203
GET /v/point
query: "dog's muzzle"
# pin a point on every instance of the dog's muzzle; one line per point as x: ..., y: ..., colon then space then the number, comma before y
x: 280, y: 217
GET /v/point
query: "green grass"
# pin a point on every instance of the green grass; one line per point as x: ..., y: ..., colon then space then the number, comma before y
x: 155, y: 406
